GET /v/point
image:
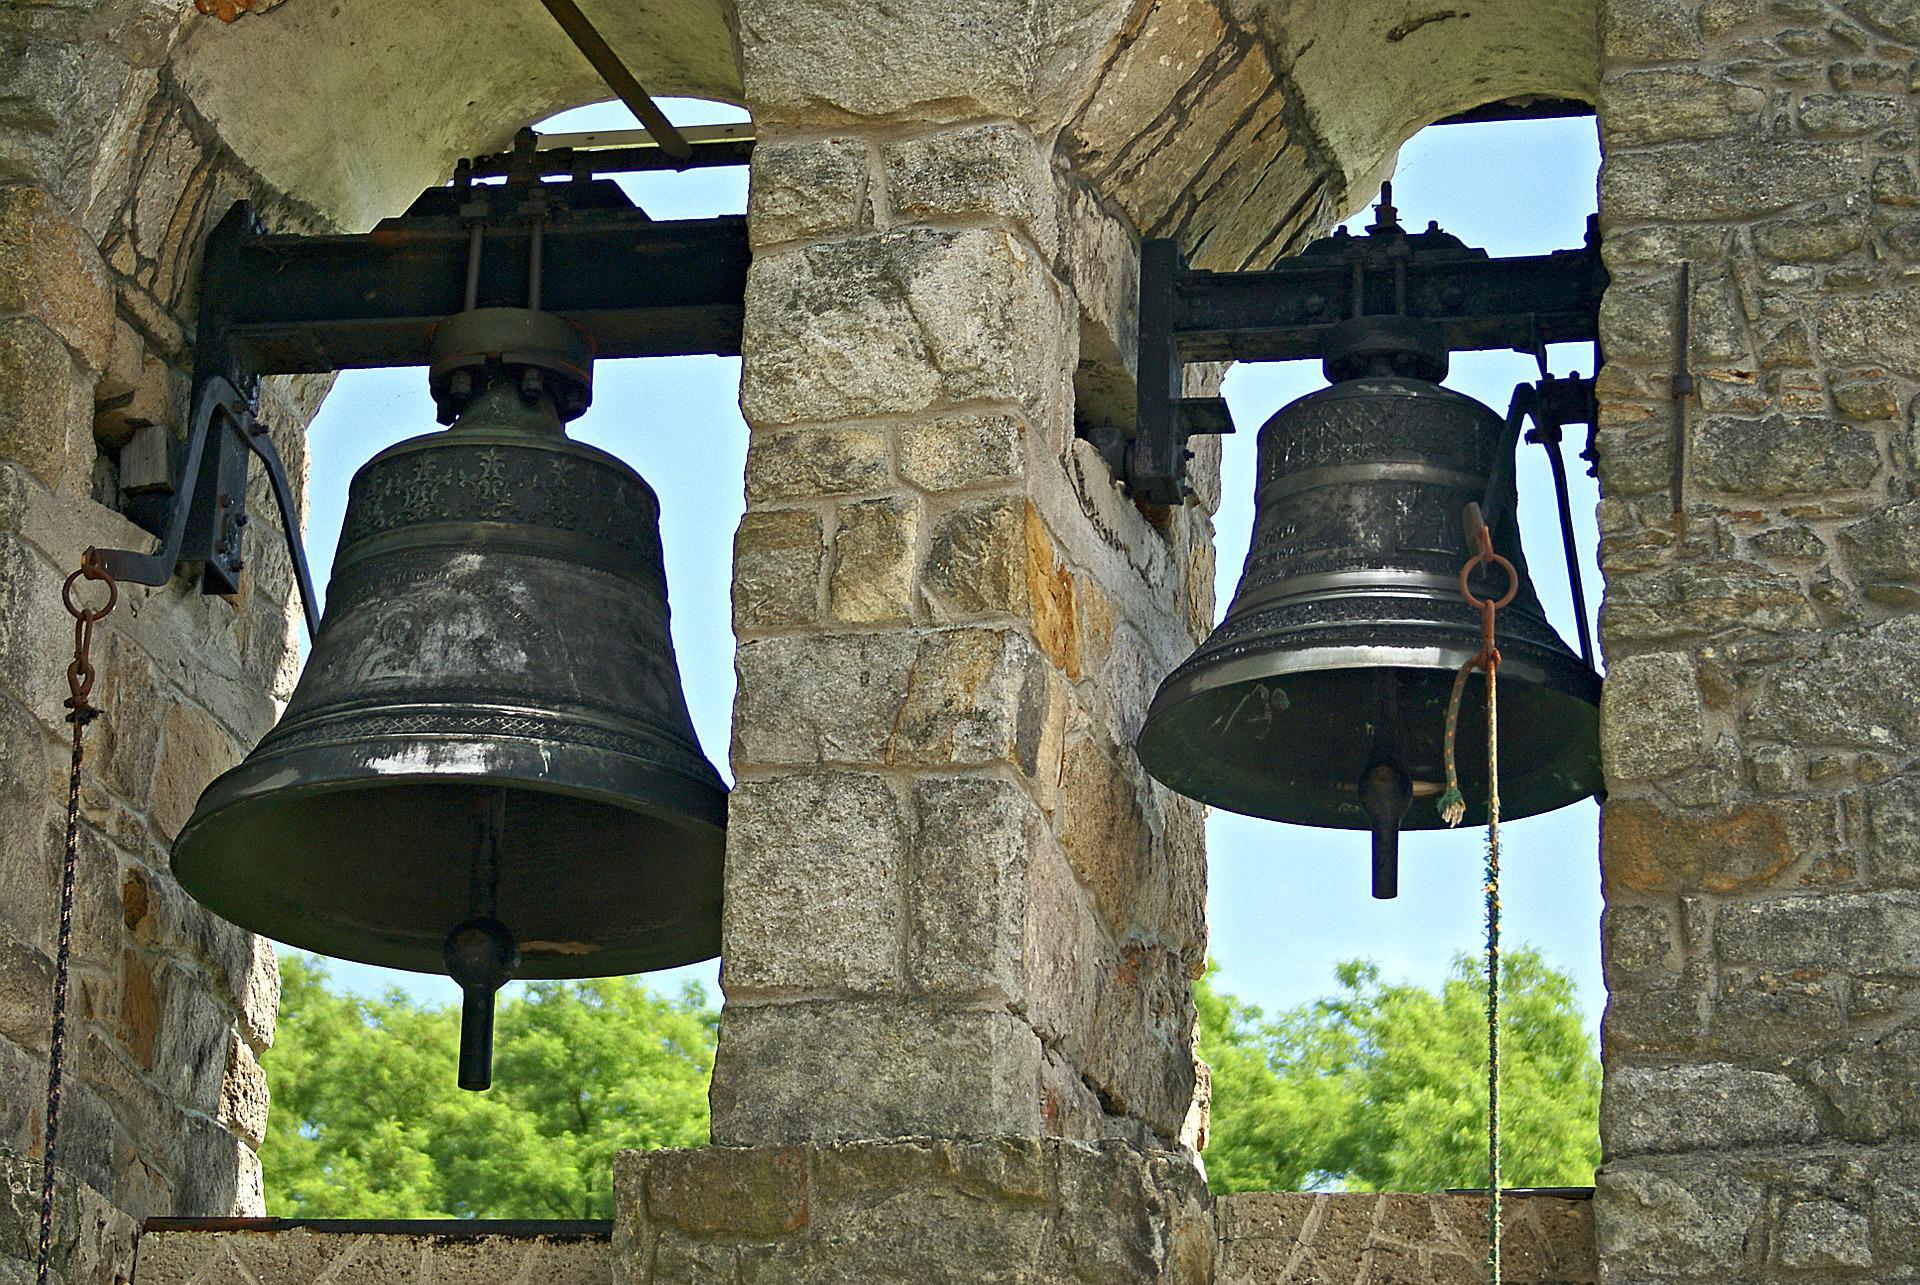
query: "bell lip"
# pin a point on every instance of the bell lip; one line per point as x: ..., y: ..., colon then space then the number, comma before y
x: 237, y: 791
x: 1201, y: 674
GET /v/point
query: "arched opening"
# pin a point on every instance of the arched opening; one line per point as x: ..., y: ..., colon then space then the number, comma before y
x: 1289, y: 905
x: 614, y: 1065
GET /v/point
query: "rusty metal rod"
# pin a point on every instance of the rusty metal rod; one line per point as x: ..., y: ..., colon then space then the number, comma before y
x: 598, y: 52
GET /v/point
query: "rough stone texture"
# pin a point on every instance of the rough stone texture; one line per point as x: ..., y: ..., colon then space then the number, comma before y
x: 274, y: 1252
x: 916, y: 1210
x: 1757, y: 838
x: 1299, y: 1238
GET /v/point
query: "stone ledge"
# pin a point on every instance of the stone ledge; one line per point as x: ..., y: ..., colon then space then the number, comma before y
x: 347, y: 1251
x: 1364, y: 1238
x: 918, y: 1210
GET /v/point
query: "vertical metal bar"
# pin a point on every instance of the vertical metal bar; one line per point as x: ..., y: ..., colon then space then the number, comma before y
x: 1682, y: 389
x: 589, y: 42
x: 1559, y: 465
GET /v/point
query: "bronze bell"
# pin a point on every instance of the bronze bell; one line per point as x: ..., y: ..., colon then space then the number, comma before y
x: 1321, y: 698
x: 487, y: 767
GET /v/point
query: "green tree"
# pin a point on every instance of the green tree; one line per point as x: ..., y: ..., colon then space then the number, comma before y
x: 1384, y: 1087
x: 368, y: 1123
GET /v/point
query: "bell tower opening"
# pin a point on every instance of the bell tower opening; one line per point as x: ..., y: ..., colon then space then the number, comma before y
x: 1294, y: 933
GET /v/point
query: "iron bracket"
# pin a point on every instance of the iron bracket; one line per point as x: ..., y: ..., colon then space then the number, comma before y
x: 285, y: 304
x: 1292, y: 310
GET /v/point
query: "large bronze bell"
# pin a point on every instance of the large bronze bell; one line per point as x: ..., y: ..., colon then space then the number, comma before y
x: 1321, y: 698
x: 487, y: 768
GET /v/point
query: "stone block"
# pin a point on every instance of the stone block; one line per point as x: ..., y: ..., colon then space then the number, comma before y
x: 1850, y: 115
x: 899, y: 322
x: 1885, y: 548
x: 961, y: 61
x: 51, y: 270
x: 1670, y: 105
x: 195, y: 750
x: 1648, y: 1222
x: 875, y: 543
x: 832, y: 1071
x: 1104, y: 832
x: 44, y: 410
x: 820, y: 699
x: 967, y: 886
x: 1841, y: 933
x: 955, y: 452
x: 27, y: 841
x: 1650, y: 30
x: 1776, y: 457
x: 1872, y: 326
x: 26, y: 995
x: 243, y: 1094
x: 923, y: 1210
x: 1702, y: 600
x: 976, y: 560
x: 801, y: 189
x: 978, y: 696
x: 811, y: 462
x: 1650, y: 717
x: 1851, y: 693
x: 1705, y: 1107
x: 995, y: 171
x: 1732, y: 178
x: 815, y: 865
x: 1647, y: 849
x: 777, y: 559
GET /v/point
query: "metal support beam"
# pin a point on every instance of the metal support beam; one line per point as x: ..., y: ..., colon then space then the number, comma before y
x: 598, y: 52
x: 1290, y: 311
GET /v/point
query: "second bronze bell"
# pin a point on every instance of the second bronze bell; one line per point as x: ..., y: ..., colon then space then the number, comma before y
x: 1321, y: 697
x: 488, y: 767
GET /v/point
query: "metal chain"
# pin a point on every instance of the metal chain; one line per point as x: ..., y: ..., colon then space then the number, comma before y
x: 80, y: 712
x: 1453, y: 809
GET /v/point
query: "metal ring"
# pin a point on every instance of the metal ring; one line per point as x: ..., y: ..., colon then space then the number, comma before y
x: 1513, y: 581
x: 91, y: 571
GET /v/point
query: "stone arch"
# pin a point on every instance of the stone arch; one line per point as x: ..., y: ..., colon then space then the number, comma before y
x: 1239, y: 126
x: 351, y: 106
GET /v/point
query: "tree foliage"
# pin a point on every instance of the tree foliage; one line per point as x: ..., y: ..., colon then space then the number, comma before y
x: 1384, y: 1087
x: 366, y: 1120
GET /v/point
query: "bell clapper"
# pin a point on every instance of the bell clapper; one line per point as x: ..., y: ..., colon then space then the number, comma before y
x: 1385, y: 793
x: 481, y: 954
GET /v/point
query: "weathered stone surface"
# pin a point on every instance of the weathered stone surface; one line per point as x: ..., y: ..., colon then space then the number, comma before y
x: 815, y: 865
x: 899, y: 322
x: 1668, y: 105
x: 967, y: 886
x: 1704, y: 599
x: 195, y: 750
x: 1878, y: 325
x: 1851, y: 692
x: 1724, y: 178
x: 1776, y: 457
x: 272, y: 1254
x: 1648, y: 849
x: 955, y: 452
x: 976, y: 561
x: 1704, y: 1107
x: 874, y: 551
x: 915, y: 1209
x: 1849, y: 115
x: 43, y: 407
x: 1650, y: 717
x: 1648, y: 1222
x: 965, y: 61
x: 777, y: 559
x: 801, y: 189
x: 994, y: 171
x: 1843, y: 933
x: 807, y: 463
x: 51, y: 270
x: 1885, y: 548
x: 1367, y: 1239
x: 819, y: 1071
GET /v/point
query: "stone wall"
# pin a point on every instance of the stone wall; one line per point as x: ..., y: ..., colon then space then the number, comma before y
x: 274, y: 1251
x: 1761, y: 843
x: 106, y: 182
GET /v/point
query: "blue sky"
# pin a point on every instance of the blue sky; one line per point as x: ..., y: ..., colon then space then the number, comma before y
x: 1286, y: 902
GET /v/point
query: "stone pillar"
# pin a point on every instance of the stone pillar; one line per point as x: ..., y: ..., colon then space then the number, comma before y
x: 1761, y: 840
x: 105, y: 187
x: 955, y: 905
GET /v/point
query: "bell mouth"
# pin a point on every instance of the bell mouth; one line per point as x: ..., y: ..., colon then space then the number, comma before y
x: 359, y: 861
x: 1288, y: 735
